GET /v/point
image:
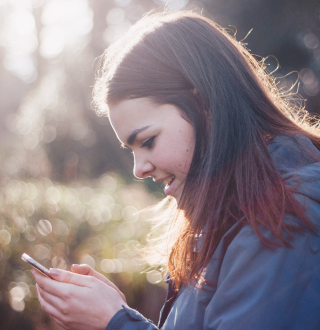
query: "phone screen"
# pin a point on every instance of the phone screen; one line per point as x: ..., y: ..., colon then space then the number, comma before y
x: 43, y: 270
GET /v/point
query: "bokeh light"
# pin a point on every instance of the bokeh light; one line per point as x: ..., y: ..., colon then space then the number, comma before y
x: 67, y: 194
x: 154, y: 276
x: 5, y: 237
x: 66, y: 23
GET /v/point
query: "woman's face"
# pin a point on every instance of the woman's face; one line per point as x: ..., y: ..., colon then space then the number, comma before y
x: 161, y: 140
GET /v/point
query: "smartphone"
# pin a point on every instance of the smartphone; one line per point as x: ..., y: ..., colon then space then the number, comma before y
x: 41, y: 269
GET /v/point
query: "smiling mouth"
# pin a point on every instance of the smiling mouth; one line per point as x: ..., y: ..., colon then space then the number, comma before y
x: 168, y: 182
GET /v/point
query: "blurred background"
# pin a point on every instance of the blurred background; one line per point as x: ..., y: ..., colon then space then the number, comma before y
x: 67, y: 193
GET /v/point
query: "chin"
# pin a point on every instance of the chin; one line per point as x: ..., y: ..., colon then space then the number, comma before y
x: 177, y: 199
x: 177, y: 196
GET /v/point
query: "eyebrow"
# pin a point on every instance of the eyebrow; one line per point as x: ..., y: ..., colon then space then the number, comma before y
x: 133, y: 135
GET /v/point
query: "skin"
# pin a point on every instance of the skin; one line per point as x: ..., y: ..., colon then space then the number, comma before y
x: 162, y: 142
x: 82, y: 299
x: 170, y: 153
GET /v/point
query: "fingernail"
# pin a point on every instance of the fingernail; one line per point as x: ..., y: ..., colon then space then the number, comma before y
x: 74, y: 265
x: 54, y: 271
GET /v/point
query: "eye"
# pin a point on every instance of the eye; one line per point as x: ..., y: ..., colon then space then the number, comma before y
x: 148, y: 143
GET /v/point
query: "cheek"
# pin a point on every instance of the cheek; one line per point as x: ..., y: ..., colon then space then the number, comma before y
x: 178, y: 157
x: 175, y: 151
x: 184, y: 153
x: 185, y: 159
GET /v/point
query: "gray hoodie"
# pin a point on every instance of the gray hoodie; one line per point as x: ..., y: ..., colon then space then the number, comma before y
x: 254, y: 288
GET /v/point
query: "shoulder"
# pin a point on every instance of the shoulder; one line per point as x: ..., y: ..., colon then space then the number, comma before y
x: 241, y: 252
x: 262, y: 288
x: 293, y: 153
x: 265, y: 281
x: 298, y: 162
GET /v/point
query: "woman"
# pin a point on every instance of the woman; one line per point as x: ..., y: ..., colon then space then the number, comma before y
x: 205, y: 118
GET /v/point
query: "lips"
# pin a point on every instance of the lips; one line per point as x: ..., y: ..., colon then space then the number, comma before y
x: 167, y: 182
x: 169, y: 187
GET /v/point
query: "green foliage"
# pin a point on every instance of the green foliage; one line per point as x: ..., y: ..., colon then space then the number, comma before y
x: 59, y: 225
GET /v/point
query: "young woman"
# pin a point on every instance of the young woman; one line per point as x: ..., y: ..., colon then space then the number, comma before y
x: 204, y: 117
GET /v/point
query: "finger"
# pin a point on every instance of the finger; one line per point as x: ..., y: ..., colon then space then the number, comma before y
x: 53, y: 300
x: 41, y: 279
x: 87, y: 270
x: 84, y: 269
x: 38, y: 293
x: 70, y: 277
x: 55, y: 319
x: 54, y: 313
x: 55, y: 288
x: 46, y: 306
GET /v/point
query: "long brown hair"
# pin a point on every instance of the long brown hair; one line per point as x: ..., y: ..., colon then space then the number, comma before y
x: 235, y: 108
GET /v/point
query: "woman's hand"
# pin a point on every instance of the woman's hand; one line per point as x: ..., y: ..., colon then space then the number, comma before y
x: 77, y: 301
x: 85, y: 269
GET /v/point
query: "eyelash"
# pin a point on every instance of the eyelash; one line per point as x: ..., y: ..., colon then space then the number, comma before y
x: 149, y: 143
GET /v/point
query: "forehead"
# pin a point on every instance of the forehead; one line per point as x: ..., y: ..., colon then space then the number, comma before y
x: 132, y: 109
x: 129, y: 115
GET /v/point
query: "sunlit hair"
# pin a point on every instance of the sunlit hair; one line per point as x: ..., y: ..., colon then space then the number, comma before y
x: 236, y: 109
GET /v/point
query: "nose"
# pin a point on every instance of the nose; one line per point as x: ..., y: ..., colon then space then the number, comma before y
x: 142, y: 168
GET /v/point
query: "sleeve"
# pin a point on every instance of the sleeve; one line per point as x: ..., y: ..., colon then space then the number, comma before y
x: 265, y: 289
x: 130, y: 319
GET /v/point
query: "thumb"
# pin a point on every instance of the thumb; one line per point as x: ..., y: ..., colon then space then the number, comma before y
x: 69, y: 277
x: 85, y: 269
